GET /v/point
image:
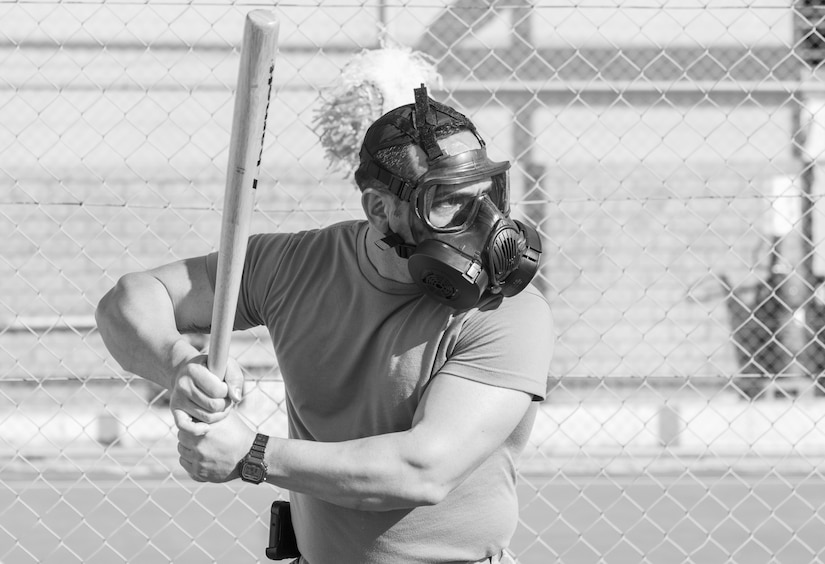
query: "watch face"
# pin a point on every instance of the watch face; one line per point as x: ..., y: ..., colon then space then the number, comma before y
x: 252, y: 472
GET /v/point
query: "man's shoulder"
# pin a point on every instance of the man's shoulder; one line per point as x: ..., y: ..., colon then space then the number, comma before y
x: 529, y: 302
x: 508, y: 342
x: 526, y: 312
x: 308, y: 240
x: 343, y: 229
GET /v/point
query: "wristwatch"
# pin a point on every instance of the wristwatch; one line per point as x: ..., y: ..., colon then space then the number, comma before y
x: 253, y: 467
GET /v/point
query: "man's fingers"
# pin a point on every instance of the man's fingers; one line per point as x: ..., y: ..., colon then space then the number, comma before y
x: 190, y: 469
x: 183, y: 450
x: 200, y: 398
x: 207, y: 390
x: 207, y: 382
x: 185, y: 422
x: 212, y: 406
x: 209, y: 403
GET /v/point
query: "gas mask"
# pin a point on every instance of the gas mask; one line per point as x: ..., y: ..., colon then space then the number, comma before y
x: 471, y: 246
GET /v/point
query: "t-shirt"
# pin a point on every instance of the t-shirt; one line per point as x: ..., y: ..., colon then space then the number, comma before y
x: 356, y: 352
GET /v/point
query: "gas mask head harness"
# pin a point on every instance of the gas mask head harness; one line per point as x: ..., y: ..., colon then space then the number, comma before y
x: 472, y: 245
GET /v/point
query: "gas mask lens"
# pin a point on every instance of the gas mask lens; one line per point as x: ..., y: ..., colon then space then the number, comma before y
x: 453, y: 207
x: 450, y: 208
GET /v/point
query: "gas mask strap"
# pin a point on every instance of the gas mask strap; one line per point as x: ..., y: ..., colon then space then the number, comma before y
x: 393, y: 240
x: 425, y: 122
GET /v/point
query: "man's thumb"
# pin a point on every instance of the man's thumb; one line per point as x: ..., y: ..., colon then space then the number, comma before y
x: 234, y: 381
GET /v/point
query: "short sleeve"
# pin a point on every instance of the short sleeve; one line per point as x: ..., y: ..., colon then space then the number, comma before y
x: 263, y: 257
x: 509, y: 345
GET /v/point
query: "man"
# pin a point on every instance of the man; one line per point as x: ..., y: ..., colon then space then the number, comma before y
x: 412, y: 348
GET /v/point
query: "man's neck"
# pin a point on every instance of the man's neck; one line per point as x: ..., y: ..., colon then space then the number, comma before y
x: 385, y: 260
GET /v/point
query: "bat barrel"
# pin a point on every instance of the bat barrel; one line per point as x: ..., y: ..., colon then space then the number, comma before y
x: 254, y: 86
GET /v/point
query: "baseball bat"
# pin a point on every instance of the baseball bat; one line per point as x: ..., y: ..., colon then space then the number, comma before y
x: 254, y: 86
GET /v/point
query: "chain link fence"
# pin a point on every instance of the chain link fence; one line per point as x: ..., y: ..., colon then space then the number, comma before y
x: 669, y: 154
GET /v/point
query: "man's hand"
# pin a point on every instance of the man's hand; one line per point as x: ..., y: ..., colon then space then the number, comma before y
x: 199, y: 398
x: 213, y: 456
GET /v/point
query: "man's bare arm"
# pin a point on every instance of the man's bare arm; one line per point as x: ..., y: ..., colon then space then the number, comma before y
x: 142, y: 321
x: 137, y: 321
x: 458, y: 424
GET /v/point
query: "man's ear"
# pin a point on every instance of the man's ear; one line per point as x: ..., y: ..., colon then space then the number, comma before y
x: 377, y: 207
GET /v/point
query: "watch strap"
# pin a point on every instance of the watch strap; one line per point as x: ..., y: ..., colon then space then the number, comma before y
x: 258, y: 447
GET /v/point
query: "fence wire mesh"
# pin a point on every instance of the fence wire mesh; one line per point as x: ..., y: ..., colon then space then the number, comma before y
x: 669, y: 154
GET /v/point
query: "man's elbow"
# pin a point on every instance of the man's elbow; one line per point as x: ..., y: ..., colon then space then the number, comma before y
x: 110, y: 307
x: 106, y: 309
x: 114, y: 315
x: 420, y: 489
x: 431, y: 493
x: 431, y: 478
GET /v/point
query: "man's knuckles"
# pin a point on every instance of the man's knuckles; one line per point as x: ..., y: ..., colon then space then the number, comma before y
x: 210, y: 395
x: 210, y: 416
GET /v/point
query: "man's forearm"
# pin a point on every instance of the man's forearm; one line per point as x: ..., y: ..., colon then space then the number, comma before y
x: 371, y: 474
x: 143, y: 339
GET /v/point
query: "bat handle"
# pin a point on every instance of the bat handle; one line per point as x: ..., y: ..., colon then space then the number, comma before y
x: 218, y: 356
